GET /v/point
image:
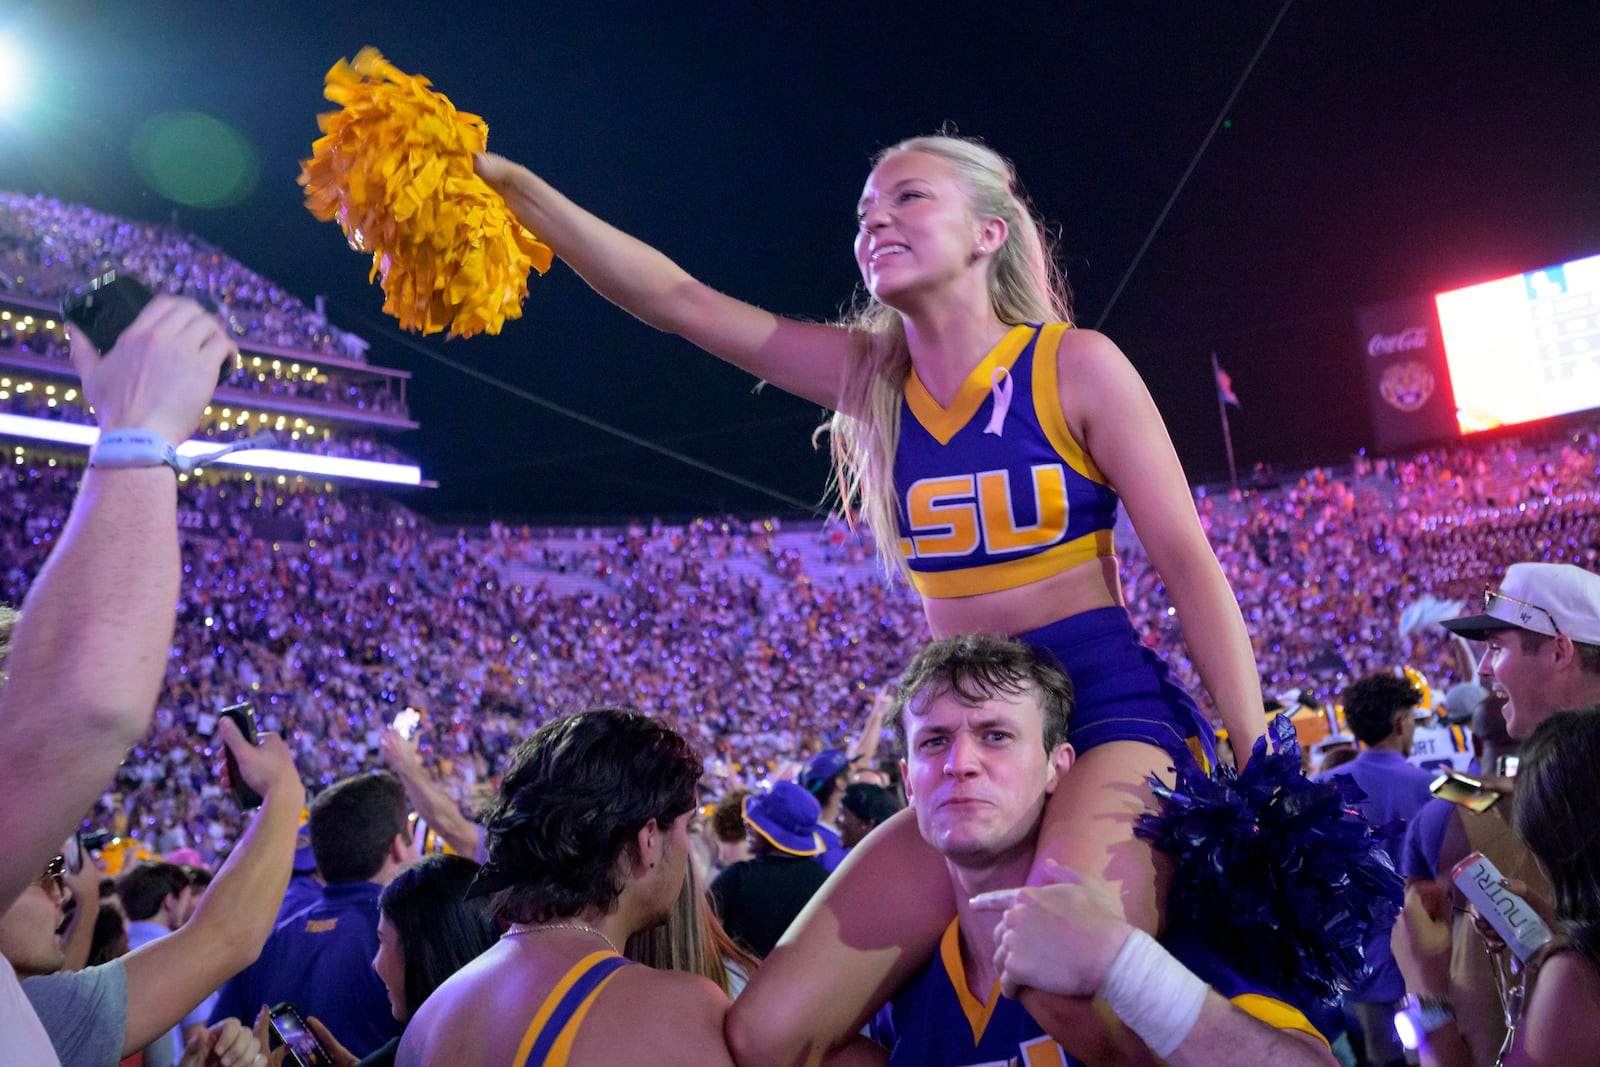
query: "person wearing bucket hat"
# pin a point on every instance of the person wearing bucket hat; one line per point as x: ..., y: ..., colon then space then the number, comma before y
x: 1542, y: 629
x: 823, y: 777
x: 757, y: 898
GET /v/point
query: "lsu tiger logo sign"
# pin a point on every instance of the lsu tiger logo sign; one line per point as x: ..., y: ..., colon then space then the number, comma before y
x: 1406, y: 386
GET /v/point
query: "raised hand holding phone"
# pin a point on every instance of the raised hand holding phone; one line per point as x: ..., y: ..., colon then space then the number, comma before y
x: 267, y: 767
x: 164, y: 373
x: 243, y: 719
x: 105, y: 307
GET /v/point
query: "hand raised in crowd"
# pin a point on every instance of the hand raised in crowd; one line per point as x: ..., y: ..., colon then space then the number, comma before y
x: 1060, y: 937
x: 84, y: 887
x: 401, y: 753
x: 267, y: 767
x: 882, y: 701
x: 160, y: 374
x: 1421, y: 938
x: 231, y: 1044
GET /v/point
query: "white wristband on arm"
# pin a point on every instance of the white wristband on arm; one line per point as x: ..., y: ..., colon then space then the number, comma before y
x: 1156, y: 996
x: 124, y: 449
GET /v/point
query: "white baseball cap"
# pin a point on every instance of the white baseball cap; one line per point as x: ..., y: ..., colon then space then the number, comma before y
x: 1542, y: 598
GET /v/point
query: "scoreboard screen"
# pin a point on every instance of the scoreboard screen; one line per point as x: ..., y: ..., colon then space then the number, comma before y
x: 1525, y: 347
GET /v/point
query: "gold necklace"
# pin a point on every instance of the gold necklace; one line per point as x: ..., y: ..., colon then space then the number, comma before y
x: 518, y: 929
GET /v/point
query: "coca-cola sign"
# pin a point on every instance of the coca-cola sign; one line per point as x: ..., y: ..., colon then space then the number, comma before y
x: 1407, y: 340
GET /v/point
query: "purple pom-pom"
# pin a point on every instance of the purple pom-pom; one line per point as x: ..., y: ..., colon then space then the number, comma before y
x: 1280, y: 875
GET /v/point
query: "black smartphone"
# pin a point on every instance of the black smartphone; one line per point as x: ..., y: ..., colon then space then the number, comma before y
x: 244, y: 717
x: 289, y: 1028
x: 105, y: 307
x: 1460, y: 789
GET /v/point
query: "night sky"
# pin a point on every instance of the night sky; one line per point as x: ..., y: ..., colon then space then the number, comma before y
x: 1377, y: 151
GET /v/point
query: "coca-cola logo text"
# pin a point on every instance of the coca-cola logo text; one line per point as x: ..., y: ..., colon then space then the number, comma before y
x: 1387, y: 344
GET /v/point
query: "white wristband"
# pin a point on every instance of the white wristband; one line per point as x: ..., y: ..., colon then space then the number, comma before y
x: 121, y: 449
x: 1155, y: 995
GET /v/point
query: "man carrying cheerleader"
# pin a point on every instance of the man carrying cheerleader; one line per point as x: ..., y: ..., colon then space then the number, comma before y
x: 984, y: 723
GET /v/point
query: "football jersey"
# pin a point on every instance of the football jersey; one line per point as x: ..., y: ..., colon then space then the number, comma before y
x: 936, y: 1021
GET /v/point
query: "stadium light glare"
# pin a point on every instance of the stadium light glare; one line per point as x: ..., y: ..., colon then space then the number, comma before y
x: 273, y: 459
x: 13, y: 75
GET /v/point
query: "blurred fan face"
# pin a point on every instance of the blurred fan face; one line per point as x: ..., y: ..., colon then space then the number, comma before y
x: 852, y: 828
x: 390, y: 964
x: 28, y: 929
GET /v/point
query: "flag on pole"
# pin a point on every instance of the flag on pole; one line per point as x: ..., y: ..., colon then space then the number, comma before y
x: 1225, y: 391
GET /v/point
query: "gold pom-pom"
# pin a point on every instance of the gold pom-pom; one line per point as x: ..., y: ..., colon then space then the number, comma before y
x: 394, y: 168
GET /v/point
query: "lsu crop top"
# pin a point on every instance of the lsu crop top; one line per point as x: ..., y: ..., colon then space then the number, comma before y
x: 994, y: 492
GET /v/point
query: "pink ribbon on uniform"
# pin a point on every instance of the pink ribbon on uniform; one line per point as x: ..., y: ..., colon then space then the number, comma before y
x: 1002, y: 385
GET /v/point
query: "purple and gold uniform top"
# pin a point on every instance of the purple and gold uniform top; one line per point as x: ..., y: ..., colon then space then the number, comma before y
x: 994, y: 492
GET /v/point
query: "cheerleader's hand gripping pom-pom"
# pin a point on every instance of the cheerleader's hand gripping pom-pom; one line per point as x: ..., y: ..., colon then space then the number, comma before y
x: 1278, y: 874
x: 394, y: 168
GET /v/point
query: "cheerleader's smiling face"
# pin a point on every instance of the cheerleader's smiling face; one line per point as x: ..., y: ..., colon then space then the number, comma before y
x: 917, y: 229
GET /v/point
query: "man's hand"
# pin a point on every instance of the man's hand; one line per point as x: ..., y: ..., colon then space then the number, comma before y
x: 85, y: 889
x: 401, y: 754
x: 227, y: 1044
x: 1060, y: 937
x: 882, y: 701
x: 161, y: 373
x: 268, y: 767
x: 1421, y: 939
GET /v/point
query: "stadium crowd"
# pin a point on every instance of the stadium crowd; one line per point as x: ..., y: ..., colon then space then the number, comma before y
x: 352, y: 608
x: 263, y: 376
x: 47, y: 247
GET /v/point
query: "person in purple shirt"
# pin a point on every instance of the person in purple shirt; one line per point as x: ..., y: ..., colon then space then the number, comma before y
x: 305, y: 888
x: 1379, y: 709
x: 320, y: 958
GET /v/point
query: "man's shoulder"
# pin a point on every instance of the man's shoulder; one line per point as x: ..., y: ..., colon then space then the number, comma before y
x: 85, y: 1012
x: 106, y: 979
x: 671, y: 987
x: 676, y: 1015
x: 472, y: 1015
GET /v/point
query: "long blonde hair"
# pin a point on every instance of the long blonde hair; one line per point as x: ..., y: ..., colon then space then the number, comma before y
x: 691, y: 940
x: 1025, y: 285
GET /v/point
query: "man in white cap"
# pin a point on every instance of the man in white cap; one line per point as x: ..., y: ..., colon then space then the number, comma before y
x: 1542, y: 629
